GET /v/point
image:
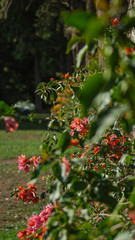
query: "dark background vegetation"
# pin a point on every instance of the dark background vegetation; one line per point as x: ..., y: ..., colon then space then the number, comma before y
x: 32, y: 46
x: 33, y: 43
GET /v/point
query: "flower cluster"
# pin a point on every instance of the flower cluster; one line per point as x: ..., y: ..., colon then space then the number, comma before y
x: 129, y: 50
x: 116, y: 146
x: 10, y: 124
x: 27, y: 194
x: 80, y: 125
x: 24, y: 163
x: 36, y: 225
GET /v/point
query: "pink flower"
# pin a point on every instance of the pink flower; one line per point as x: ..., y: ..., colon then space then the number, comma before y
x: 46, y: 212
x: 82, y: 155
x: 35, y: 221
x: 35, y: 160
x: 80, y: 125
x: 10, y: 124
x: 22, y: 161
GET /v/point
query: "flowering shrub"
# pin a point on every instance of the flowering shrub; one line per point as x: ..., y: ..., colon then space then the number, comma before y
x: 26, y: 194
x: 36, y: 225
x: 24, y: 163
x: 92, y: 158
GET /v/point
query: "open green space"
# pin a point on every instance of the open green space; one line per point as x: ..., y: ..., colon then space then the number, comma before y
x: 26, y: 140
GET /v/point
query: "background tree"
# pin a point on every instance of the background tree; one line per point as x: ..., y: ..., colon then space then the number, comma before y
x: 33, y: 47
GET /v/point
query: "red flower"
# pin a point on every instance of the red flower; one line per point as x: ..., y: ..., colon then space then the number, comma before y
x: 114, y: 21
x: 103, y: 165
x: 132, y: 216
x: 96, y: 150
x: 10, y: 124
x: 96, y: 169
x: 129, y: 50
x: 67, y: 75
x: 74, y: 142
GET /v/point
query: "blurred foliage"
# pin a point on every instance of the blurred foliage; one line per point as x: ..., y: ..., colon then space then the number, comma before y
x: 30, y: 31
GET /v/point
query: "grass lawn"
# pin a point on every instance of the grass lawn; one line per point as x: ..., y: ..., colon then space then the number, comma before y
x: 26, y: 140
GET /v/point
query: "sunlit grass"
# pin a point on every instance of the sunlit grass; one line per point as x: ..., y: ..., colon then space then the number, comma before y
x: 25, y: 142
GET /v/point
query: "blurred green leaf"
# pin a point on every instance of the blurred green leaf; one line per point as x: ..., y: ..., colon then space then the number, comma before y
x: 90, y: 90
x: 78, y: 19
x: 5, y: 109
x: 55, y: 191
x: 80, y: 55
x: 86, y: 22
x: 64, y: 141
x: 79, y: 186
x: 73, y: 42
x: 132, y: 196
x: 100, y: 191
x: 104, y: 120
x: 123, y: 236
x: 125, y: 159
x: 128, y: 21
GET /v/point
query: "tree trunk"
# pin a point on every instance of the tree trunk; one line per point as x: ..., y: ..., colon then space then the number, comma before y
x: 90, y: 6
x: 100, y: 12
x: 131, y: 34
x: 38, y: 101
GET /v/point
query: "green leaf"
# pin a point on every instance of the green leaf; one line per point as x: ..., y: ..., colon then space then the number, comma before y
x: 104, y: 120
x: 90, y: 90
x: 100, y: 191
x: 78, y: 186
x: 124, y: 236
x: 86, y: 22
x: 55, y: 191
x: 125, y: 159
x: 70, y: 213
x: 57, y: 171
x: 37, y: 171
x: 63, y: 234
x: 41, y: 168
x: 53, y: 94
x: 64, y: 141
x: 128, y: 21
x: 94, y: 29
x: 80, y: 55
x: 5, y: 109
x: 78, y: 19
x: 132, y: 197
x: 73, y: 42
